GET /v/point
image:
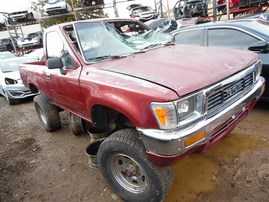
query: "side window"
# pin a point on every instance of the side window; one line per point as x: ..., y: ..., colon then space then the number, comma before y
x: 230, y: 38
x: 56, y: 48
x: 193, y: 37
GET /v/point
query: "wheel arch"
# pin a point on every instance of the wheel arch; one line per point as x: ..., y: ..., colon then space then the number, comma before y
x: 33, y: 88
x: 102, y: 116
x: 138, y: 112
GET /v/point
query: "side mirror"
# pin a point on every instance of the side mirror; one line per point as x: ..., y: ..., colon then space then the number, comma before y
x: 54, y: 63
x: 261, y: 46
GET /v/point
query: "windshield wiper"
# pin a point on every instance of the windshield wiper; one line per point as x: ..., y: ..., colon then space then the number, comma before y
x: 151, y: 46
x: 157, y: 44
x: 104, y: 57
x: 169, y: 43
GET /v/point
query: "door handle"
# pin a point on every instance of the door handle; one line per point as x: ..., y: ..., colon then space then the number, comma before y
x: 48, y: 75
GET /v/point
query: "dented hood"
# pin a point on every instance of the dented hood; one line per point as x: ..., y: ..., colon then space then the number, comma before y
x: 182, y: 69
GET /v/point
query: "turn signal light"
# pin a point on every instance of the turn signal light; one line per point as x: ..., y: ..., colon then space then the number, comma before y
x: 192, y: 140
x: 161, y: 115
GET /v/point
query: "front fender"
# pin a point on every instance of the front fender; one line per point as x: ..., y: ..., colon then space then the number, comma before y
x: 125, y: 94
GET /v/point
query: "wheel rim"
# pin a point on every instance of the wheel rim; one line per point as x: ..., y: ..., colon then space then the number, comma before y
x: 41, y: 115
x: 128, y: 173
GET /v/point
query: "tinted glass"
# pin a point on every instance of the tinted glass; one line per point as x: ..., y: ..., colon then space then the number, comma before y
x: 230, y: 38
x: 189, y: 37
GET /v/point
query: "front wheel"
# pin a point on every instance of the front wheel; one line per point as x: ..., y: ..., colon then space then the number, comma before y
x: 9, y: 100
x: 123, y: 162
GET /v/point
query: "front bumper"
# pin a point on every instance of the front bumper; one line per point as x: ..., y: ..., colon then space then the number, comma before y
x: 18, y: 91
x: 19, y: 15
x: 28, y: 43
x: 170, y: 143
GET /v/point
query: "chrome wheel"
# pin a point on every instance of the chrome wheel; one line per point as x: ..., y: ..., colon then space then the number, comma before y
x: 128, y: 173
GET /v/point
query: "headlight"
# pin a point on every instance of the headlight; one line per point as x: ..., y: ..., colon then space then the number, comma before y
x: 258, y: 67
x: 178, y: 113
x: 190, y: 108
x: 10, y: 81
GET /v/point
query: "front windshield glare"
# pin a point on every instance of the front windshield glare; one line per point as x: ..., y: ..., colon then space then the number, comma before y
x: 99, y: 40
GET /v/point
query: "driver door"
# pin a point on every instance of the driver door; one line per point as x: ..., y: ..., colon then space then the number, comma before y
x: 63, y: 84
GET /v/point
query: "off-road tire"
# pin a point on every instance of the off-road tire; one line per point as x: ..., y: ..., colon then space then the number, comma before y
x: 123, y: 162
x: 47, y: 113
x: 76, y: 124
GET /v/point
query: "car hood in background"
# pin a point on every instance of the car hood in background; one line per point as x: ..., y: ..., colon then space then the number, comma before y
x: 183, y: 69
x: 13, y: 75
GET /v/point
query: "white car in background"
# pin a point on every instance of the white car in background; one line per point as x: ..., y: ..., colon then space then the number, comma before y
x: 23, y: 12
x: 37, y: 54
x: 6, y: 55
x: 53, y: 7
x: 2, y: 22
x: 11, y: 86
x: 31, y: 40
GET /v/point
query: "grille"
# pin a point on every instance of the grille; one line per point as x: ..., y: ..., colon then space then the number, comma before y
x: 226, y: 126
x: 19, y: 12
x: 223, y: 95
x: 55, y: 8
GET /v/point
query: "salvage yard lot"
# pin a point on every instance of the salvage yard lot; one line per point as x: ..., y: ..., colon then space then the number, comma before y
x: 39, y: 166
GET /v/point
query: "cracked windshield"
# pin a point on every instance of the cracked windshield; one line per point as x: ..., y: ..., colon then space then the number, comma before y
x: 100, y: 40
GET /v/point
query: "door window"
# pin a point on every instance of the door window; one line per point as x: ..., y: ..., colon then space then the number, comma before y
x: 230, y: 38
x: 193, y: 37
x: 56, y: 48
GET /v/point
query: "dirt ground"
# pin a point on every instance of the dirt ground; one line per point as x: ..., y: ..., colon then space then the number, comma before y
x: 39, y: 166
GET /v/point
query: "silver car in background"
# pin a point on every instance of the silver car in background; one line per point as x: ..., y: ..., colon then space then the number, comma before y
x: 11, y: 86
x: 31, y: 40
x: 53, y: 7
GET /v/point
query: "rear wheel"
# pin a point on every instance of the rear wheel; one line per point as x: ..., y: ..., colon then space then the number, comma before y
x: 76, y: 124
x: 47, y: 113
x: 123, y: 161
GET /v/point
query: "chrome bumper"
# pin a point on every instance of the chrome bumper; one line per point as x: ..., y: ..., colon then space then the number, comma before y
x: 171, y: 142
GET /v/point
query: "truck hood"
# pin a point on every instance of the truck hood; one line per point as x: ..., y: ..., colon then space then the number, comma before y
x: 182, y: 69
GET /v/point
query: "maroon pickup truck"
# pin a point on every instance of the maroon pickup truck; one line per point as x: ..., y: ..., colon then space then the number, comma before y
x: 164, y: 101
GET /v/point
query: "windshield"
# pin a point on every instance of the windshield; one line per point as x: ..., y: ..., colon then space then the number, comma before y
x: 100, y: 40
x: 258, y: 26
x: 13, y: 65
x: 5, y: 55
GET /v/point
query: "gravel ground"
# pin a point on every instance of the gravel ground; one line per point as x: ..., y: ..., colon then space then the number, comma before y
x: 39, y: 166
